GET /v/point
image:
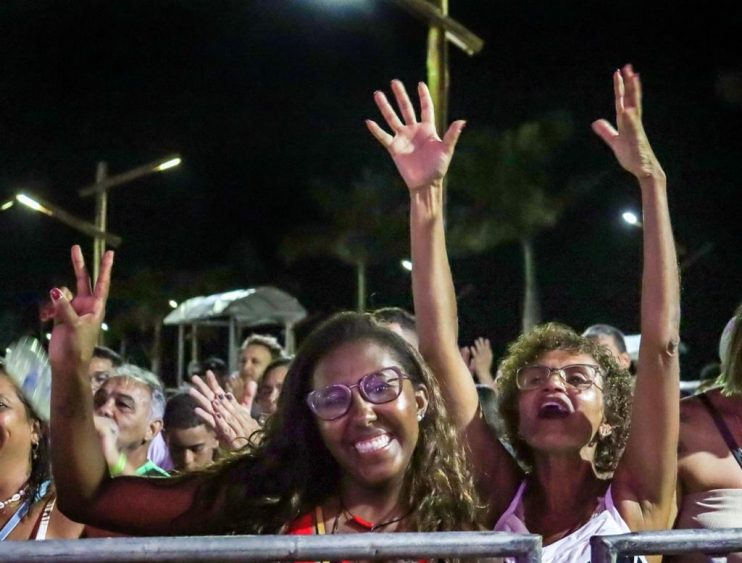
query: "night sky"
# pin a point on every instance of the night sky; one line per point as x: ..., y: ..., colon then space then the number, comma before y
x: 263, y: 99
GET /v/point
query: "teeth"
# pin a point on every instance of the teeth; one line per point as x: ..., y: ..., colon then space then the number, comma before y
x: 372, y: 445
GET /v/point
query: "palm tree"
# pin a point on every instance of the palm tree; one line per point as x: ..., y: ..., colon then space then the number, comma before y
x: 361, y: 225
x: 506, y: 187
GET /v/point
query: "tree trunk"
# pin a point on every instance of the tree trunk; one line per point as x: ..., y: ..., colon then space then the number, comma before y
x: 531, y: 303
x: 361, y: 286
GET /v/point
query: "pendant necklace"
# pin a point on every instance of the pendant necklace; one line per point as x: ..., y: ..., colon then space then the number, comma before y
x: 363, y: 523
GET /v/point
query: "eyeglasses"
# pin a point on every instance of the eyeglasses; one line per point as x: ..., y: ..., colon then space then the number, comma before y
x: 378, y: 387
x: 577, y: 376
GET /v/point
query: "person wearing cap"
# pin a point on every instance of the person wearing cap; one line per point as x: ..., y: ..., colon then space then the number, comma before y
x: 27, y: 498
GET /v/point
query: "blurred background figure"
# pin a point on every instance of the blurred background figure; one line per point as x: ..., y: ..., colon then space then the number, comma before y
x: 192, y: 443
x: 269, y: 389
x: 613, y: 339
x: 400, y: 321
x: 102, y: 365
x: 256, y: 352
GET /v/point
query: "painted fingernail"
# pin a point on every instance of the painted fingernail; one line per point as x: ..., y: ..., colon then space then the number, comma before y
x: 56, y: 295
x: 221, y: 396
x: 230, y: 396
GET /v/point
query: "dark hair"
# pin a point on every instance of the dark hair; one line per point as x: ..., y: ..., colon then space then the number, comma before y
x: 596, y: 331
x: 291, y: 471
x: 40, y: 458
x: 388, y: 315
x: 617, y: 389
x: 216, y: 365
x: 107, y: 354
x: 280, y: 362
x: 180, y: 412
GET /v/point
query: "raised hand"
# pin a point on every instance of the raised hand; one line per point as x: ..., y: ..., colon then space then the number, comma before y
x: 420, y: 155
x: 628, y: 140
x: 231, y: 421
x: 481, y: 360
x: 78, y: 319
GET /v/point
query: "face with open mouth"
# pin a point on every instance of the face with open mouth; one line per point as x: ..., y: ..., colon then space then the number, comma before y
x: 557, y: 416
x: 373, y: 443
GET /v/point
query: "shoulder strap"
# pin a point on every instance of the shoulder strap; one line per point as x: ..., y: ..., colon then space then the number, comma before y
x: 723, y: 428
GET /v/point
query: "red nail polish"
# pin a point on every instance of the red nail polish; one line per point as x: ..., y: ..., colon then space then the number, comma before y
x: 55, y: 294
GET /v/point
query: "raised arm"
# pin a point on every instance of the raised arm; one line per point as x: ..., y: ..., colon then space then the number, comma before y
x: 644, y: 482
x: 85, y: 491
x: 422, y: 159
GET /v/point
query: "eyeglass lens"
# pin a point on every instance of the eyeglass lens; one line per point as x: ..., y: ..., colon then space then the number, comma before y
x: 580, y: 376
x: 334, y: 401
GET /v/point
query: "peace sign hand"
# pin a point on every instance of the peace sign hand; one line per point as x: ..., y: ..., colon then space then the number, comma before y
x: 77, y: 321
x: 420, y: 155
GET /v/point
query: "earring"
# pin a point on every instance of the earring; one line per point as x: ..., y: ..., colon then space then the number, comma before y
x: 34, y: 450
x: 420, y: 415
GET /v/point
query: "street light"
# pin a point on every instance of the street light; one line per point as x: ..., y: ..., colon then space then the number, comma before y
x: 103, y: 183
x: 406, y: 264
x: 40, y: 206
x: 631, y: 218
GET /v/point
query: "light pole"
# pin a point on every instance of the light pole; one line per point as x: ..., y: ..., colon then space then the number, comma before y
x: 103, y: 183
x: 37, y: 204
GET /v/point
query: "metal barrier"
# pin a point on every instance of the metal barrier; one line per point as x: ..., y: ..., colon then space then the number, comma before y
x: 715, y: 543
x: 524, y: 548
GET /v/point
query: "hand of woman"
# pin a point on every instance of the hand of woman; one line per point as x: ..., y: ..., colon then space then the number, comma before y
x: 629, y: 141
x: 77, y: 320
x: 420, y: 155
x: 230, y: 420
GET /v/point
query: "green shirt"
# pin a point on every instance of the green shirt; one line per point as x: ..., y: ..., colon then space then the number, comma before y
x: 150, y: 469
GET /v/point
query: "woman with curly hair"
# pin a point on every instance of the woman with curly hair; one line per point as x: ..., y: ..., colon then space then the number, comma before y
x: 360, y: 443
x: 27, y: 497
x: 566, y: 403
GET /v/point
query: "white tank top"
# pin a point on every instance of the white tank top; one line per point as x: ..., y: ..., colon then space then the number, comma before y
x: 574, y: 548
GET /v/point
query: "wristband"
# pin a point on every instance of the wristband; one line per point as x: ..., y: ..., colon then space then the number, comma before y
x: 118, y: 469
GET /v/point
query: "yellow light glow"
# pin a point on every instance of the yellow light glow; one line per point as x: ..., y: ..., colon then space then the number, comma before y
x: 7, y: 205
x: 407, y: 265
x: 104, y: 327
x: 32, y: 203
x: 172, y: 163
x: 173, y: 304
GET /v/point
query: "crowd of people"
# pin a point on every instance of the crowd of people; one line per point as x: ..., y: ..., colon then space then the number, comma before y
x: 382, y: 422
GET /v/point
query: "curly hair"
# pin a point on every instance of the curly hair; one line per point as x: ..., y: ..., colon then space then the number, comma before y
x: 617, y: 390
x: 290, y: 471
x: 40, y: 456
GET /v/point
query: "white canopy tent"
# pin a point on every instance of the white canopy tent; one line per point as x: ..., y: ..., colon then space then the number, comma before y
x: 235, y: 310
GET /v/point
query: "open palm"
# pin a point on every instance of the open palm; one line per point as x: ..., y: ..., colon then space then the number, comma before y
x: 420, y: 155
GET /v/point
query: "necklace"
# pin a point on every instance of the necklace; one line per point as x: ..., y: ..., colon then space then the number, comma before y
x: 363, y: 523
x: 14, y: 498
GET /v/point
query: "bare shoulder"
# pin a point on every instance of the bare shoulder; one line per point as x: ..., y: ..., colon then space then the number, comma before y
x: 62, y: 528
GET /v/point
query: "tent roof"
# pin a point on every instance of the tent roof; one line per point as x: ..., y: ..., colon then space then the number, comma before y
x: 248, y: 307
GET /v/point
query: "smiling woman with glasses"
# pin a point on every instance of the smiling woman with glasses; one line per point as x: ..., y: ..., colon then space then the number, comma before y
x: 360, y: 442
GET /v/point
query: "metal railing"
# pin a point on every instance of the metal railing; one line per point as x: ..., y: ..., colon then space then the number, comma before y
x: 524, y: 548
x: 715, y: 543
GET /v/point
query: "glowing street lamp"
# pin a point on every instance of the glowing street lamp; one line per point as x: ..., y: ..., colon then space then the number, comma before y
x: 631, y: 218
x: 103, y: 183
x: 407, y: 264
x: 38, y: 205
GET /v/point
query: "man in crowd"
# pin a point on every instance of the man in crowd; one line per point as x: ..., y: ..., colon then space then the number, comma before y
x: 613, y: 339
x: 269, y: 389
x: 129, y: 408
x: 193, y: 444
x: 256, y: 352
x: 399, y: 321
x: 102, y: 365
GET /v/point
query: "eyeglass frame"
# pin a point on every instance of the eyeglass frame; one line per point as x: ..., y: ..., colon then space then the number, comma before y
x: 562, y: 376
x: 400, y: 376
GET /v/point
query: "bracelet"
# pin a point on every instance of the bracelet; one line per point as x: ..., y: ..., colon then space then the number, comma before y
x: 118, y: 469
